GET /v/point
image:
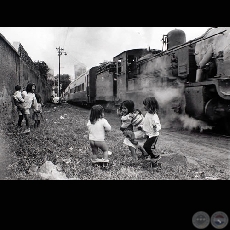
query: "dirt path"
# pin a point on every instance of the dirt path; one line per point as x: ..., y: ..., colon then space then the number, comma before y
x: 203, y: 152
x: 199, y: 149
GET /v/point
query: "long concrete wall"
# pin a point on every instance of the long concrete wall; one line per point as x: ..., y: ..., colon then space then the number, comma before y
x: 16, y: 67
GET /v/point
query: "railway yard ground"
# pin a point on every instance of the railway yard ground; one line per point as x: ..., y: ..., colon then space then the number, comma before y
x: 59, y: 149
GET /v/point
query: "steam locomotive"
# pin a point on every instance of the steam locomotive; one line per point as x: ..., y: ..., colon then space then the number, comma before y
x: 189, y: 79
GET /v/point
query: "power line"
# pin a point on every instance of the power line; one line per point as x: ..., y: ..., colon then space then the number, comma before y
x: 75, y: 59
x: 66, y: 36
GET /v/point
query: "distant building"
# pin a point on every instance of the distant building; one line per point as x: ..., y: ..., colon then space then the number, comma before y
x: 79, y: 69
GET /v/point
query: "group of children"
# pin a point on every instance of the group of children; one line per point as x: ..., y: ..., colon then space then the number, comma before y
x: 140, y: 132
x: 26, y: 101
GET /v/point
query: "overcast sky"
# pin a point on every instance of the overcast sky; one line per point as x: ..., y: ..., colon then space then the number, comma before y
x: 88, y: 45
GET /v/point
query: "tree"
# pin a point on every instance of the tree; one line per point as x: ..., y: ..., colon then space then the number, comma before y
x: 43, y: 68
x: 64, y: 81
x: 50, y: 82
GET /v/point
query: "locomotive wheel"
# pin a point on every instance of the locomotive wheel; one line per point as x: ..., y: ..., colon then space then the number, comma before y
x: 210, y: 109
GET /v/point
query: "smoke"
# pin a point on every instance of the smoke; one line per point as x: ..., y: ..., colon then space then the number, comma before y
x: 165, y: 96
x: 170, y: 96
x: 190, y: 123
x: 183, y: 122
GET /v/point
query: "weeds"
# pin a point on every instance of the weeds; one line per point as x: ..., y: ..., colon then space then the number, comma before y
x: 63, y: 140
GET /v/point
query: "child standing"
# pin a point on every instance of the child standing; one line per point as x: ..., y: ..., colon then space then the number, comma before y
x: 131, y: 119
x: 30, y: 102
x: 97, y: 127
x: 151, y: 127
x: 37, y: 113
x: 18, y: 101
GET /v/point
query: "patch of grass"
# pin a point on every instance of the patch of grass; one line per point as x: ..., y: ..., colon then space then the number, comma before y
x: 64, y: 142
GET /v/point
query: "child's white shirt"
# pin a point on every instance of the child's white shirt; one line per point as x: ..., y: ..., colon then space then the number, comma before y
x: 29, y: 99
x: 97, y: 130
x: 24, y: 93
x: 39, y: 107
x: 150, y: 120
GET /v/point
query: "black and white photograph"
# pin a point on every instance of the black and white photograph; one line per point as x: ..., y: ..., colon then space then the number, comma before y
x: 115, y: 103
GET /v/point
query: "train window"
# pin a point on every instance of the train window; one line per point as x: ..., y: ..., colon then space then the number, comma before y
x: 112, y: 68
x: 131, y: 63
x: 119, y: 66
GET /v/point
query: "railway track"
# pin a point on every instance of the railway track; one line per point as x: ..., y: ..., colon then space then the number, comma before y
x: 206, y: 152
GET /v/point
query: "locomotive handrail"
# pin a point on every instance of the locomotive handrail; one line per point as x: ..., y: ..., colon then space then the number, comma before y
x: 191, y: 42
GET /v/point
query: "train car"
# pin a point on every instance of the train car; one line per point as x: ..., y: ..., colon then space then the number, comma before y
x: 82, y: 90
x: 106, y: 85
x: 99, y: 84
x: 126, y: 66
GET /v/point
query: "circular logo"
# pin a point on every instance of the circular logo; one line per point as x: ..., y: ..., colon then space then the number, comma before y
x: 201, y: 220
x: 219, y: 220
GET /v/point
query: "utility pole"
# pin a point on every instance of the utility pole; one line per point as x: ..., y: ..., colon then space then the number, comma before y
x: 60, y: 52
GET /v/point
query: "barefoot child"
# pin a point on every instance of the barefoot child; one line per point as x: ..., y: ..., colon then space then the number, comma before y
x: 97, y: 127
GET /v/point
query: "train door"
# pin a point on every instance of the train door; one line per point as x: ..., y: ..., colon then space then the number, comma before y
x: 114, y: 85
x: 91, y: 79
x: 87, y: 88
x: 187, y: 64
